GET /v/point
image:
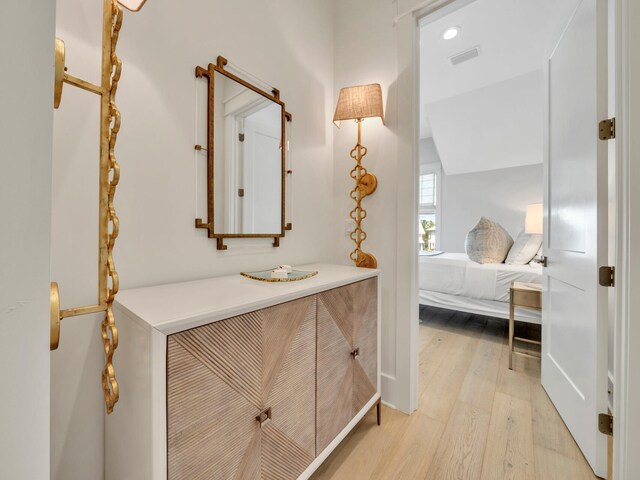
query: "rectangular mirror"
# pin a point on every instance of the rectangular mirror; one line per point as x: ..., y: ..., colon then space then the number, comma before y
x: 246, y: 158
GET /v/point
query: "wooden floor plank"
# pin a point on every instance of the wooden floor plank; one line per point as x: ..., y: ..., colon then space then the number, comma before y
x: 441, y: 390
x: 516, y: 382
x: 551, y: 465
x: 479, y: 385
x: 413, y: 454
x: 441, y: 346
x: 461, y: 449
x: 358, y: 455
x: 509, y: 453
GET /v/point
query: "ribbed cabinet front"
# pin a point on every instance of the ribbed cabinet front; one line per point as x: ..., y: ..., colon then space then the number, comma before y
x: 241, y: 396
x: 347, y: 342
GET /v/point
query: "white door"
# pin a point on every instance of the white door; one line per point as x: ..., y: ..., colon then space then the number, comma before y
x: 574, y: 346
x: 262, y: 172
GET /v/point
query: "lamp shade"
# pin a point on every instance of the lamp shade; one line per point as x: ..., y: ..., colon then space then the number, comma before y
x: 133, y: 5
x: 356, y: 103
x: 533, y: 220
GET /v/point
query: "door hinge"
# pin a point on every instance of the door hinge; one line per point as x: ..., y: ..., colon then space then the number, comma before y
x: 241, y: 137
x: 605, y: 423
x: 241, y: 192
x: 607, y: 276
x: 607, y: 129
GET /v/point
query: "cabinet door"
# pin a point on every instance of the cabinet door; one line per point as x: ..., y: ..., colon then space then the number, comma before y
x: 347, y: 356
x: 224, y: 377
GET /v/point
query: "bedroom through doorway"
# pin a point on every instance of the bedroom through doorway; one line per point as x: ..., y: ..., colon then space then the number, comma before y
x: 483, y: 189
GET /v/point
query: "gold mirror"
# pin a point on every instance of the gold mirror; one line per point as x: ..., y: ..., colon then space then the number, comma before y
x: 246, y: 158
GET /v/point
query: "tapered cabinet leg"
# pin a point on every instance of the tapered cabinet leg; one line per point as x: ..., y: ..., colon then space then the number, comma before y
x: 379, y: 411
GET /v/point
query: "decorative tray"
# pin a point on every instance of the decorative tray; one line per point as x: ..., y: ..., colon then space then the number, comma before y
x: 265, y: 276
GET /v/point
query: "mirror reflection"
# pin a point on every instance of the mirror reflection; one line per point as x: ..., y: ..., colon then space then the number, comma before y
x: 248, y: 160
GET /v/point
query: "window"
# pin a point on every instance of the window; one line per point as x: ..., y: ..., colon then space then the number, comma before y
x: 427, y: 191
x: 427, y: 232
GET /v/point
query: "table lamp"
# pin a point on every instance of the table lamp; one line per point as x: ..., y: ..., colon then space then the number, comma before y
x: 533, y: 220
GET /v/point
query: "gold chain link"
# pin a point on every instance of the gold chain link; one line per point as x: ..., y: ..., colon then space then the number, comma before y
x: 358, y: 214
x: 109, y: 329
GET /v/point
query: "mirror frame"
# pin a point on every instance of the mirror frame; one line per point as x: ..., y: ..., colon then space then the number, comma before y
x: 274, y: 96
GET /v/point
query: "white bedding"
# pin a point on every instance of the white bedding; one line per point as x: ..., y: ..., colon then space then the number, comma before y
x: 490, y: 308
x: 455, y: 274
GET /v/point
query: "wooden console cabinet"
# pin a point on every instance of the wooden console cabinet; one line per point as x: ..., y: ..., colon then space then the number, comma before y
x: 230, y: 378
x: 347, y: 356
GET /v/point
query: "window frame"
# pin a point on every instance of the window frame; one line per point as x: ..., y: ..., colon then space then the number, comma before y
x: 428, y: 209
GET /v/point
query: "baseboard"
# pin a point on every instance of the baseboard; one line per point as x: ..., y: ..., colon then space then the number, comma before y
x: 387, y: 404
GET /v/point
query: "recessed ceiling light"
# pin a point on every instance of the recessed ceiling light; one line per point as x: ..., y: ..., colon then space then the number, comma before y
x: 451, y: 33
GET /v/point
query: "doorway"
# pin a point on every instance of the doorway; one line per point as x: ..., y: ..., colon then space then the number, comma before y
x: 486, y: 70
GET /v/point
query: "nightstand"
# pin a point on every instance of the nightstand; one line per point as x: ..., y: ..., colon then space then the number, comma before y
x: 525, y: 295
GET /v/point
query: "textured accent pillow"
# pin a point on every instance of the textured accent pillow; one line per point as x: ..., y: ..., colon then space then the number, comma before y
x: 488, y: 242
x: 524, y: 249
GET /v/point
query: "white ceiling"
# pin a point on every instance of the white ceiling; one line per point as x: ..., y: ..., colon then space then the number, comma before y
x: 515, y: 37
x: 486, y: 113
x: 497, y: 126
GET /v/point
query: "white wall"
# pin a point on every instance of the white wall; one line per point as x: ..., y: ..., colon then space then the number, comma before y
x: 287, y: 43
x: 428, y: 153
x: 370, y: 48
x: 26, y: 34
x: 501, y: 195
x: 364, y: 49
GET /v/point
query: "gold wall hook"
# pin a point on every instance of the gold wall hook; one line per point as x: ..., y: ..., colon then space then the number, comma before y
x: 61, y: 76
x: 54, y: 326
x: 58, y: 77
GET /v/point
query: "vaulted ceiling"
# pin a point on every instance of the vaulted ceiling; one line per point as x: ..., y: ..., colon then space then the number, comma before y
x: 486, y: 112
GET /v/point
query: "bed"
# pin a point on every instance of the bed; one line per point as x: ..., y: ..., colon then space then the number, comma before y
x: 452, y: 281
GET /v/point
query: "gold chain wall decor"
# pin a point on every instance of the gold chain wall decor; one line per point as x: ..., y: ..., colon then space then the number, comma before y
x: 366, y: 184
x: 109, y: 329
x: 109, y: 176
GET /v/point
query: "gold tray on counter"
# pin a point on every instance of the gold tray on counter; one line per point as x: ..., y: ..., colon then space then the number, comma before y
x: 265, y: 276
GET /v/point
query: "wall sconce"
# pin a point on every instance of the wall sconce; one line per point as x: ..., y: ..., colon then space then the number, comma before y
x: 358, y: 103
x: 109, y: 177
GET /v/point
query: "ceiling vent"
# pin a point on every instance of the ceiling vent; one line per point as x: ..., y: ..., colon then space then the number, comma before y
x: 462, y: 57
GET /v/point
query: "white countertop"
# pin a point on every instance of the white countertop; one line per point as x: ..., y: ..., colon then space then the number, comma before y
x: 175, y: 307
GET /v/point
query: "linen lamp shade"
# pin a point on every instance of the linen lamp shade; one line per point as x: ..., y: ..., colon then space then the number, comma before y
x: 533, y: 220
x: 133, y: 5
x: 356, y: 103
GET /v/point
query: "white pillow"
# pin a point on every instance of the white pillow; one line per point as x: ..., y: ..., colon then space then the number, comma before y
x: 537, y: 257
x: 524, y: 249
x: 488, y: 242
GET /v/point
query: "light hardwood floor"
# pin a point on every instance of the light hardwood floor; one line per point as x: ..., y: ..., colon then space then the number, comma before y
x: 476, y: 419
